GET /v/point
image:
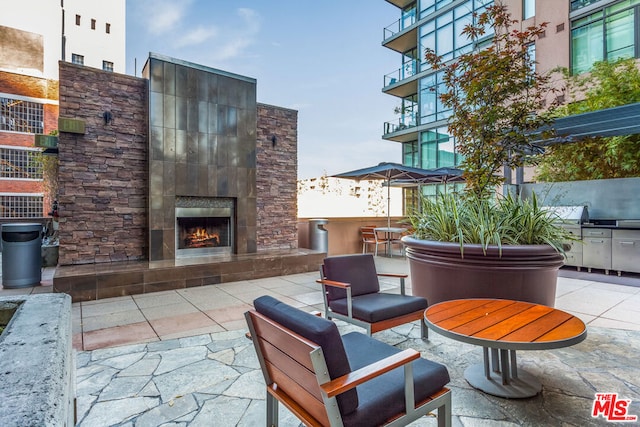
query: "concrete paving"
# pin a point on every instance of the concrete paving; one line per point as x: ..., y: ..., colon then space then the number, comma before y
x: 180, y: 357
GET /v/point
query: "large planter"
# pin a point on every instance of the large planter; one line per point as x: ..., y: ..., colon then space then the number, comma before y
x: 519, y: 272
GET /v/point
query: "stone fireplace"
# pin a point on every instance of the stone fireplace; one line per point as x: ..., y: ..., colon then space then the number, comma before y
x: 186, y: 143
x: 202, y: 145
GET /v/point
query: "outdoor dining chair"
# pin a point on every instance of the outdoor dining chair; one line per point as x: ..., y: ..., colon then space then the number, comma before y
x: 370, y: 237
x: 351, y: 293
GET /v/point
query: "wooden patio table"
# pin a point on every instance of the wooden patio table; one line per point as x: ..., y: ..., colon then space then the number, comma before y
x: 504, y: 326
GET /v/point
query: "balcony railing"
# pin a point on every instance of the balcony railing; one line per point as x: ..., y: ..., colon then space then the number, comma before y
x: 408, y: 70
x: 407, y: 20
x: 405, y: 121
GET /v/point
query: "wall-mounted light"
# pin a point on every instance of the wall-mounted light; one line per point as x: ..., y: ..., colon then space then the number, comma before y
x: 274, y: 140
x: 107, y: 116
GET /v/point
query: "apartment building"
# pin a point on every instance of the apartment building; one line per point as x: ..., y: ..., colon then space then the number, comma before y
x: 34, y: 36
x: 578, y: 33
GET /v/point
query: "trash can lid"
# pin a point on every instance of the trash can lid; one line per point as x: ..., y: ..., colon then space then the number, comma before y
x: 19, y: 227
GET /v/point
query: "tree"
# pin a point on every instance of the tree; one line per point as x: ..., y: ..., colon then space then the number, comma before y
x: 609, y: 84
x: 494, y: 93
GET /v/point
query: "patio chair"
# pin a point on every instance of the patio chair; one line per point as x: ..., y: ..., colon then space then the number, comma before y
x: 351, y: 293
x: 370, y: 237
x: 326, y: 379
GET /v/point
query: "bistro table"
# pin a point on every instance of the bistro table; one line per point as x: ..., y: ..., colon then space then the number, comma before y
x: 388, y: 235
x: 502, y: 327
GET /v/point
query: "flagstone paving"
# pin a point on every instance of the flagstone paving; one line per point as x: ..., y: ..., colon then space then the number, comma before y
x: 215, y: 380
x: 180, y: 358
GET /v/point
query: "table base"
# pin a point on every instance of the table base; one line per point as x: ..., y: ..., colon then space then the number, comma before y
x: 526, y: 385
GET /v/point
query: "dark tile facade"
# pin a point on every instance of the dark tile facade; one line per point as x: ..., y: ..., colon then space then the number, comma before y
x: 202, y: 144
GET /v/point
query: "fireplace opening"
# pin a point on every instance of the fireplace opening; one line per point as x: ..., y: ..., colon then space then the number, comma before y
x: 203, y: 231
x: 209, y: 232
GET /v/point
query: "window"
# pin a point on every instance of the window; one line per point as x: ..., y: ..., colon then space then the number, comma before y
x: 444, y: 33
x: 107, y: 28
x: 531, y: 52
x: 579, y: 4
x: 93, y: 24
x: 21, y: 116
x: 77, y: 59
x: 410, y: 154
x: 77, y: 19
x: 431, y: 107
x: 20, y: 163
x: 528, y: 9
x: 408, y: 17
x: 430, y: 6
x: 107, y: 66
x: 606, y: 34
x: 437, y: 149
x: 18, y: 206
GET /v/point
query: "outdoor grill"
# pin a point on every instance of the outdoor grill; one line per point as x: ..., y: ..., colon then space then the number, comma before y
x: 570, y: 215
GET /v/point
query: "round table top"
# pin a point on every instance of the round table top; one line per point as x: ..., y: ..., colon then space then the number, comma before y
x: 505, y: 324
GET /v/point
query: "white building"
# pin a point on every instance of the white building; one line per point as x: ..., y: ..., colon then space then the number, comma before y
x: 328, y: 197
x: 87, y: 32
x: 94, y: 32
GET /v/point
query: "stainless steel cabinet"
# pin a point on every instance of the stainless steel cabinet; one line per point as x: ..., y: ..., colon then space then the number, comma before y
x: 625, y: 251
x: 596, y: 252
x: 573, y: 248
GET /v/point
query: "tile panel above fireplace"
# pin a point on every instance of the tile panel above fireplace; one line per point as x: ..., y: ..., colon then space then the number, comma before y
x: 202, y: 146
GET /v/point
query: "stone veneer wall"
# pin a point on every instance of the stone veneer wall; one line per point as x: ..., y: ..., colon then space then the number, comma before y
x: 103, y: 173
x: 276, y: 177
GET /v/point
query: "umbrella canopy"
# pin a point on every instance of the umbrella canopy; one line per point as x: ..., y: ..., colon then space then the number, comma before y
x: 387, y: 171
x: 392, y: 172
x: 443, y: 175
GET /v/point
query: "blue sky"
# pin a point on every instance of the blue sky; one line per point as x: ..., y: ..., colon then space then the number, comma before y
x: 321, y: 57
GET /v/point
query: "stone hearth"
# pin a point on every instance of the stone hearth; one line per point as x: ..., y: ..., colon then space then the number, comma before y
x: 96, y: 281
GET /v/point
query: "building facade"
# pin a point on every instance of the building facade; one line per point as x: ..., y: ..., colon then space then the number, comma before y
x: 34, y: 36
x: 578, y: 33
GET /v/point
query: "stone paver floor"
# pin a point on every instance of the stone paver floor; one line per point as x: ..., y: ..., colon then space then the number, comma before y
x: 180, y: 357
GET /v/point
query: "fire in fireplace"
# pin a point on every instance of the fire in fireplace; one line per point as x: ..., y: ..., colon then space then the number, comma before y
x: 203, y: 231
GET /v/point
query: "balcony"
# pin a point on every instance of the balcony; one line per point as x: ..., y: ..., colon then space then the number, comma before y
x: 402, y: 35
x: 401, y: 3
x: 402, y: 82
x: 404, y: 129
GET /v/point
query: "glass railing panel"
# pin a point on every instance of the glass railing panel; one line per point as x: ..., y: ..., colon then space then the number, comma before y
x: 409, y: 69
x: 405, y: 121
x: 401, y: 24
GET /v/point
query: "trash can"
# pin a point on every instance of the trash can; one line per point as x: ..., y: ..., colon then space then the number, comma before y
x: 318, y: 235
x: 21, y: 255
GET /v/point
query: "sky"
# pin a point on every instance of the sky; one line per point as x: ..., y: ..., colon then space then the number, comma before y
x: 323, y: 58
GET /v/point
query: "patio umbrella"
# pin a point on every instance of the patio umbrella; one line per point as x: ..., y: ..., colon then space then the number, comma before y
x: 441, y: 175
x: 389, y: 172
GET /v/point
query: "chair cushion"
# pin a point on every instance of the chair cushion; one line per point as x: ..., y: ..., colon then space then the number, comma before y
x: 358, y: 270
x: 381, y: 306
x: 319, y: 330
x: 383, y: 397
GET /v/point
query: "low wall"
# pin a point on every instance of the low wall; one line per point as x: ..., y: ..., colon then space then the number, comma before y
x: 604, y: 198
x: 36, y: 362
x: 344, y: 233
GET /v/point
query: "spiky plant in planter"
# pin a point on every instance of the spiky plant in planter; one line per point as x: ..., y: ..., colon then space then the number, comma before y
x: 474, y: 244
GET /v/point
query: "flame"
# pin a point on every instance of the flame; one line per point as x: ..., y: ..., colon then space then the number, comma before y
x: 200, y: 237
